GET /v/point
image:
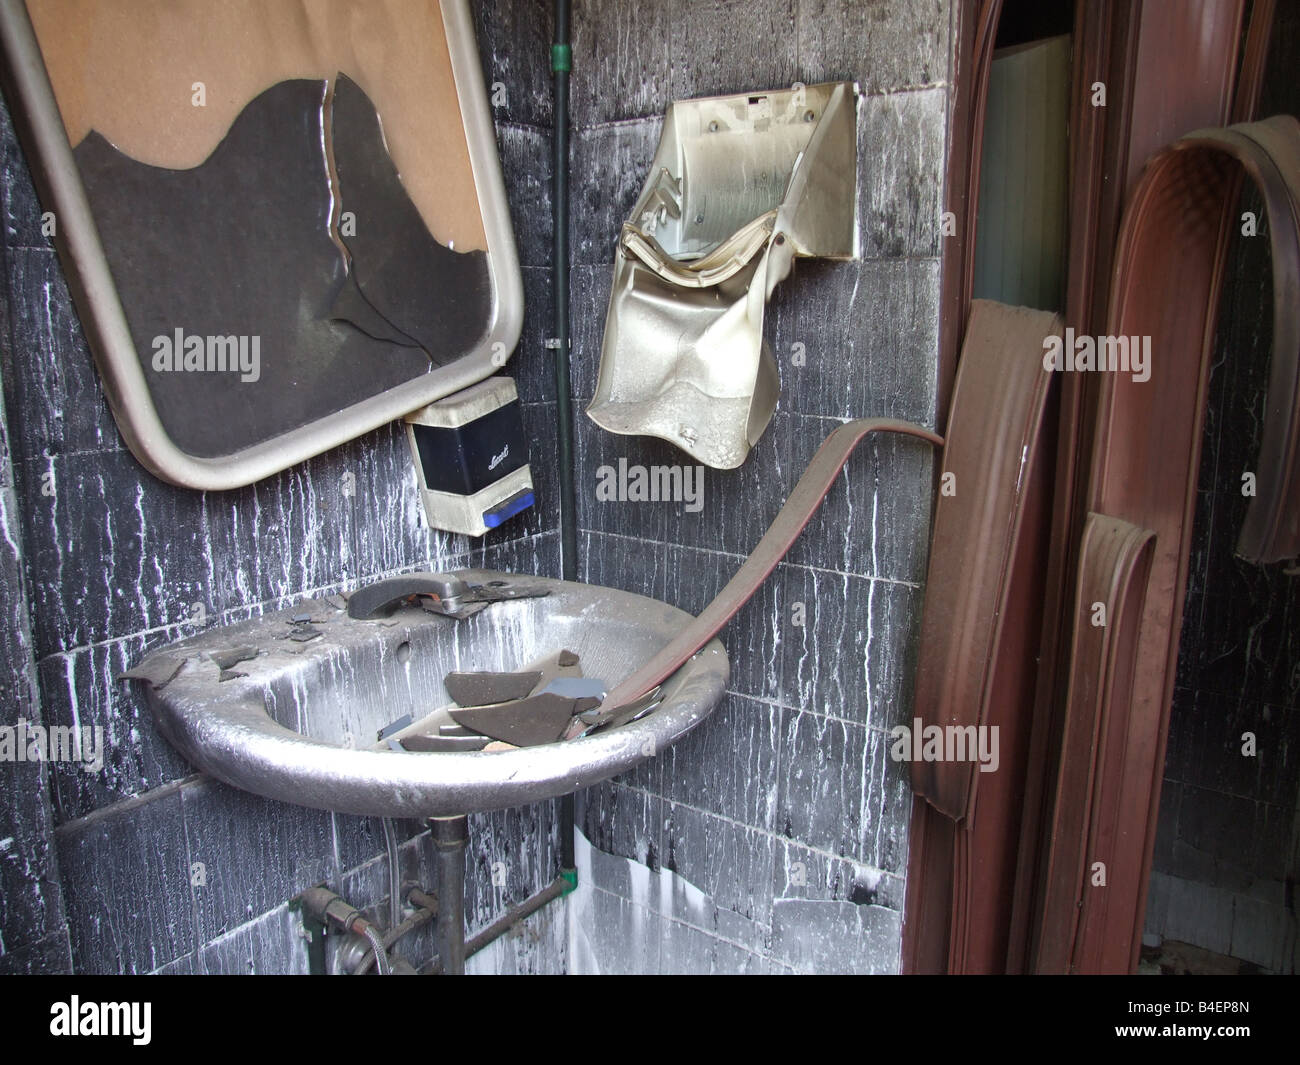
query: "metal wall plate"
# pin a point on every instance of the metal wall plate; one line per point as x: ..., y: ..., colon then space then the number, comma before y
x: 123, y: 366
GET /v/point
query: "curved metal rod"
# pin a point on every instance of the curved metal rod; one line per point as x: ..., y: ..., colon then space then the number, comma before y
x: 780, y: 536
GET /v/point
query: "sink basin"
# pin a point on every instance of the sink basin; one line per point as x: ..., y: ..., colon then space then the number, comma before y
x: 298, y: 712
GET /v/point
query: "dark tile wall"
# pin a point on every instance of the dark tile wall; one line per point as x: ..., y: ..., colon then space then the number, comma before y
x: 781, y: 823
x: 778, y: 829
x: 146, y: 866
x: 1228, y: 844
x: 33, y: 931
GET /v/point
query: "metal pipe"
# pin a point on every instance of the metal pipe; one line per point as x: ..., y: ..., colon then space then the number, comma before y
x: 450, y: 836
x: 554, y: 890
x: 427, y: 911
x: 513, y: 916
x: 327, y: 907
x: 561, y: 64
x: 394, y: 874
x: 377, y: 950
x: 425, y: 901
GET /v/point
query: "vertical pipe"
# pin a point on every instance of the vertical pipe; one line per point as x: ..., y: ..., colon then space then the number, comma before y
x: 450, y: 836
x: 394, y: 874
x: 561, y: 63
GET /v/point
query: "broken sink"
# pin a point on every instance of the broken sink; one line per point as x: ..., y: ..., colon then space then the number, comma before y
x: 290, y: 705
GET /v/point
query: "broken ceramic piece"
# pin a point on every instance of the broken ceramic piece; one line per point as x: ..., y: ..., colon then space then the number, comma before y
x: 524, y: 722
x: 485, y: 688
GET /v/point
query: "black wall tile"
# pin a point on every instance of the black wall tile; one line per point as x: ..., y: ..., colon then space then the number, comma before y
x: 730, y: 513
x: 866, y: 333
x: 55, y: 401
x: 754, y: 637
x: 900, y: 173
x: 854, y: 657
x: 269, y: 945
x: 608, y: 166
x: 720, y: 47
x: 126, y: 876
x: 841, y: 792
x: 728, y: 861
x: 512, y: 854
x: 526, y: 168
x: 836, y: 937
x: 31, y: 902
x: 620, y: 61
x: 624, y: 822
x: 255, y: 854
x: 111, y: 551
x: 803, y: 873
x: 51, y: 956
x: 589, y: 301
x: 884, y: 46
x: 514, y: 43
x: 728, y: 764
x: 18, y: 200
x: 81, y: 689
x: 875, y: 520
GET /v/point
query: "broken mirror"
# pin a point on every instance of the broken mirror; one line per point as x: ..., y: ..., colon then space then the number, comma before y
x: 284, y: 225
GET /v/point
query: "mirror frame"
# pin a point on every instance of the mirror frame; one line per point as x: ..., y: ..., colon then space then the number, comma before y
x: 49, y: 155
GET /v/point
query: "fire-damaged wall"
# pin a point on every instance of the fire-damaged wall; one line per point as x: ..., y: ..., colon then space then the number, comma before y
x: 774, y: 837
x: 142, y: 865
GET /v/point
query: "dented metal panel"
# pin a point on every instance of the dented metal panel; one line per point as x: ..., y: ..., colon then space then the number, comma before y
x: 1146, y: 456
x: 739, y: 187
x: 1114, y: 564
x: 993, y: 439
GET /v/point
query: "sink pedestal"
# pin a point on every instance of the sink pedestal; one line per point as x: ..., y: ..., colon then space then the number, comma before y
x: 450, y: 836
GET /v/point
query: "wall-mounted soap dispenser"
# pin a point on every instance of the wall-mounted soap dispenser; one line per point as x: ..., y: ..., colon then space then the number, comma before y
x: 471, y: 459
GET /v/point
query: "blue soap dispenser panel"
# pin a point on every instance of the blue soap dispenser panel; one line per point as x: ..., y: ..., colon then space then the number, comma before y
x: 471, y: 458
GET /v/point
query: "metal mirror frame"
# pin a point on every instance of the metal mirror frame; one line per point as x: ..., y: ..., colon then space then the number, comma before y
x: 40, y: 126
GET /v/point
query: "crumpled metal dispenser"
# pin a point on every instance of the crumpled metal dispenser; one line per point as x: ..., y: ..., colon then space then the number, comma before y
x: 739, y: 186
